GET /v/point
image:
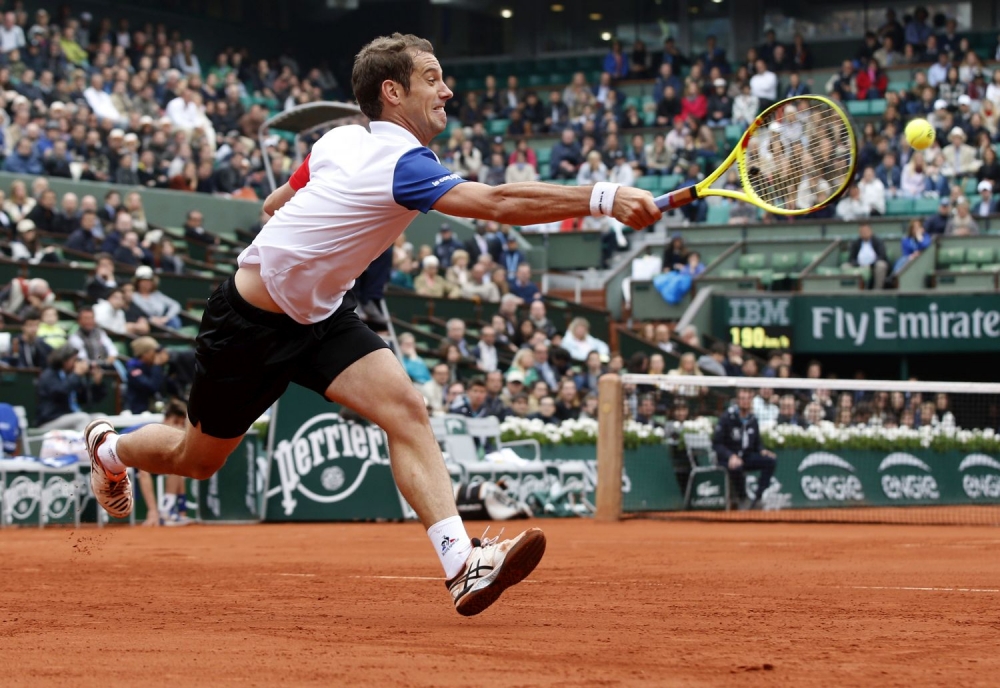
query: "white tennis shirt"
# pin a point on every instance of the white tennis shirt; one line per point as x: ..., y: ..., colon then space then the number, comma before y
x: 364, y: 189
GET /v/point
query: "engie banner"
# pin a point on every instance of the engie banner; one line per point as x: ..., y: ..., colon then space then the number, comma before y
x: 878, y: 323
x: 846, y: 478
x: 323, y: 468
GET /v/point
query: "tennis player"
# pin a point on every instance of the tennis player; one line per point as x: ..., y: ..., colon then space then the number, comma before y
x: 288, y: 315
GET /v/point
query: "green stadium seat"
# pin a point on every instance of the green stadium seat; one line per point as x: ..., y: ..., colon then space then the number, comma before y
x: 827, y: 271
x: 536, y: 80
x: 861, y: 271
x: 897, y: 86
x: 648, y: 183
x: 951, y: 256
x: 858, y: 107
x: 784, y: 262
x: 765, y: 275
x: 559, y: 78
x: 649, y: 118
x: 733, y: 133
x: 807, y: 258
x: 718, y: 214
x: 843, y: 257
x: 544, y: 156
x: 981, y: 256
x: 925, y: 205
x: 899, y: 206
x: 965, y: 267
x: 731, y: 273
x: 992, y: 267
x: 498, y: 127
x: 670, y: 181
x: 752, y: 261
x: 876, y: 107
x: 969, y: 186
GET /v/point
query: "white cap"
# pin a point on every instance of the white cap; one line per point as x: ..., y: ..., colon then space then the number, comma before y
x: 956, y: 131
x: 985, y: 185
x: 144, y: 272
x: 964, y: 99
x: 431, y: 262
x: 940, y: 104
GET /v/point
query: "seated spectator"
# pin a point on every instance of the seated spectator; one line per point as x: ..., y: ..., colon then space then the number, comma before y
x: 160, y: 309
x: 984, y: 207
x: 121, y: 225
x: 579, y: 342
x: 84, y: 238
x: 669, y: 107
x: 109, y: 314
x: 738, y: 447
x: 519, y: 170
x: 872, y: 192
x: 434, y: 389
x: 63, y: 386
x: 477, y: 287
x: 688, y: 366
x: 568, y: 401
x: 916, y: 241
x: 485, y: 352
x: 455, y: 336
x: 91, y: 342
x: 67, y: 219
x: 445, y: 245
x: 102, y: 282
x: 164, y: 256
x: 49, y: 330
x: 538, y: 317
x: 546, y: 411
x: 852, y: 206
x: 959, y: 157
x: 28, y: 350
x: 458, y: 272
x: 475, y: 402
x: 714, y: 362
x: 962, y: 223
x: 145, y: 374
x: 522, y: 286
x: 788, y: 411
x: 586, y: 380
x: 524, y: 365
x: 415, y: 366
x: 869, y: 251
x: 565, y: 156
x: 646, y: 410
x: 19, y: 204
x: 621, y: 171
x: 913, y: 181
x: 44, y: 213
x: 130, y: 251
x: 430, y: 283
x: 593, y: 170
x: 23, y: 160
x: 28, y: 247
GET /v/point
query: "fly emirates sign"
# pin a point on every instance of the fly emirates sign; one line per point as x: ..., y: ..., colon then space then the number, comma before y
x: 898, y: 324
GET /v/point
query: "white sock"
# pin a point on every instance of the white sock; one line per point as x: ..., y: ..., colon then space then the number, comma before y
x: 107, y: 454
x: 451, y: 543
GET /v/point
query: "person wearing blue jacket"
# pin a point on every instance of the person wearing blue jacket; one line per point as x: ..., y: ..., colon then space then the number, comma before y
x: 145, y: 374
x: 916, y: 241
x: 23, y: 159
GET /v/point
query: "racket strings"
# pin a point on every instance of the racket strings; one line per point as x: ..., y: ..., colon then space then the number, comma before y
x: 776, y: 167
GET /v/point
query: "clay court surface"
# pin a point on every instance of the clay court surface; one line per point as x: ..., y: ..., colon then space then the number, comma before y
x: 637, y: 603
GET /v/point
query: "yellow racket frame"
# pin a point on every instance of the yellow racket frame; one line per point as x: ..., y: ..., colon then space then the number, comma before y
x: 703, y: 188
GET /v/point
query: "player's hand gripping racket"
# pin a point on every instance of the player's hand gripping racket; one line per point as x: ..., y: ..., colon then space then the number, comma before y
x: 797, y: 156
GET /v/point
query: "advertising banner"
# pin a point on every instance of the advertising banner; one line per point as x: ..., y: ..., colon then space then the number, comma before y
x: 880, y: 323
x: 323, y: 468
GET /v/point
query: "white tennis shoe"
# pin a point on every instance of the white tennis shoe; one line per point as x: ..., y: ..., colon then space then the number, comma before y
x: 112, y: 490
x: 493, y: 567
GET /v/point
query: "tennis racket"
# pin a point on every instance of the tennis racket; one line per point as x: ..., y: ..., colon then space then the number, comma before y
x: 798, y: 156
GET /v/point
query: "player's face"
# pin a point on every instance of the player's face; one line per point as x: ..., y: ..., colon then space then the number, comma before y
x: 423, y: 106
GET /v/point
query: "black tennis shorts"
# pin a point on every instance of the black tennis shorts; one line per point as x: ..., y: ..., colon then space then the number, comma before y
x: 245, y: 358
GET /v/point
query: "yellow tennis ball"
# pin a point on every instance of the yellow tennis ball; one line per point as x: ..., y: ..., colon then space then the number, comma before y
x: 920, y: 133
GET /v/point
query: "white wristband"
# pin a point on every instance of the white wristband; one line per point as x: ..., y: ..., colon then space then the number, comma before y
x: 602, y: 198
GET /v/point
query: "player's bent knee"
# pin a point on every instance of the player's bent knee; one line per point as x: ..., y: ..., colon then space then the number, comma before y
x: 408, y: 410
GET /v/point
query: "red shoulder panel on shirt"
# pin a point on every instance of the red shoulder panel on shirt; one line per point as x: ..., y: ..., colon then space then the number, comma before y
x: 301, y: 175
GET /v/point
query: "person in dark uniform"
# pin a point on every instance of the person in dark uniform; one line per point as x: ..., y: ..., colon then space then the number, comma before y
x: 145, y: 373
x: 738, y: 447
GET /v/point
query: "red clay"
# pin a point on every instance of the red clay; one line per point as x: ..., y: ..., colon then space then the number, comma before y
x: 637, y: 603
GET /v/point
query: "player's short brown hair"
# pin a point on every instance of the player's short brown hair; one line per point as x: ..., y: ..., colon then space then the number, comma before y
x: 385, y: 58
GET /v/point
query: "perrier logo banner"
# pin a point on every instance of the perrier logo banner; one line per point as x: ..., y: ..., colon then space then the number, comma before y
x: 323, y: 468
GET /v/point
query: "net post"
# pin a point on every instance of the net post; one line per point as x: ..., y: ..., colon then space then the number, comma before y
x: 610, y: 448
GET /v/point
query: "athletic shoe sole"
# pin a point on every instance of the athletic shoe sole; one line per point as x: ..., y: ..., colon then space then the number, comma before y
x: 117, y: 505
x: 517, y: 565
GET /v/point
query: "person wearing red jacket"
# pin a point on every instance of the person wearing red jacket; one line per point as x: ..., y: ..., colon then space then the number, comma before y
x: 871, y: 81
x: 694, y: 104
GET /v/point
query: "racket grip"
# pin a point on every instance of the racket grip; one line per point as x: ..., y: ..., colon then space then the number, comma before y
x: 675, y: 199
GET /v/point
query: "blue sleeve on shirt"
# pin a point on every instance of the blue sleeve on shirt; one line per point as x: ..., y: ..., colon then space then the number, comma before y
x: 419, y: 180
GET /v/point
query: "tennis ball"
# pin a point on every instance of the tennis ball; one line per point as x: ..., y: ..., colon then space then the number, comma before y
x: 920, y: 133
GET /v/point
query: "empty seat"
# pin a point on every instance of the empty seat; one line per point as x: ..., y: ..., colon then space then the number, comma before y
x: 752, y: 261
x: 964, y: 267
x: 807, y: 258
x: 925, y: 205
x: 948, y: 257
x: 826, y: 271
x: 980, y: 256
x: 876, y: 107
x: 718, y: 214
x: 858, y: 107
x: 730, y: 272
x: 899, y: 206
x: 784, y: 262
x: 648, y: 183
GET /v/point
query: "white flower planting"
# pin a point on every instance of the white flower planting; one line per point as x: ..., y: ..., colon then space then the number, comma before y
x: 939, y: 437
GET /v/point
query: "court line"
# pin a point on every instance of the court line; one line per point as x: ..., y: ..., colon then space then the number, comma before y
x: 297, y: 575
x: 914, y: 588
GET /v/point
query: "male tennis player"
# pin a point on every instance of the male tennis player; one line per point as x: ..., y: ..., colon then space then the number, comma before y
x: 288, y: 314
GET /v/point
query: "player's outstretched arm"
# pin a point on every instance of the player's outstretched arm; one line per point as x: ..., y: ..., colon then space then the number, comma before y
x: 278, y: 198
x: 526, y: 203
